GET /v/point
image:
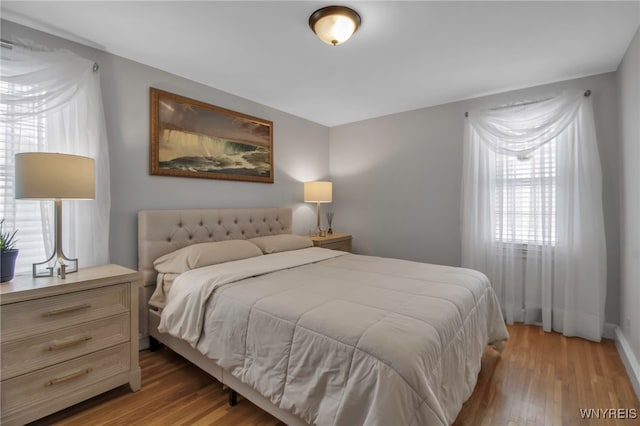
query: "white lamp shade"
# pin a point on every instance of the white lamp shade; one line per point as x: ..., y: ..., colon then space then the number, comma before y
x: 318, y: 192
x: 44, y: 175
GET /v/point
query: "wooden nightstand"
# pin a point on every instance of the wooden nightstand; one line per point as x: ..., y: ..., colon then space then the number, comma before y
x: 335, y: 241
x: 64, y: 341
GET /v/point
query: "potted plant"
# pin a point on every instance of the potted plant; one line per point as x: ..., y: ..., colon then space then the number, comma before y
x: 8, y: 253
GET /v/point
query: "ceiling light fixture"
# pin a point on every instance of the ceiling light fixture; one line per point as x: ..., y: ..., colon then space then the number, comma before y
x: 334, y: 24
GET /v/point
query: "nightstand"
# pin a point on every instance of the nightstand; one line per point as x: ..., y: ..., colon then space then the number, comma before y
x: 335, y: 241
x: 64, y: 341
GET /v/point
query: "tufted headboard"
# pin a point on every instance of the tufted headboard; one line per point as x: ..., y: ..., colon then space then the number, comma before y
x: 163, y: 231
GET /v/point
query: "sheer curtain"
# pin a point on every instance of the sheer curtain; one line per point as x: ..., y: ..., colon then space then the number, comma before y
x: 51, y: 101
x: 532, y: 216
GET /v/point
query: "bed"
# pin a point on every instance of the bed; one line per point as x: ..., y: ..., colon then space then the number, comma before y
x: 310, y: 335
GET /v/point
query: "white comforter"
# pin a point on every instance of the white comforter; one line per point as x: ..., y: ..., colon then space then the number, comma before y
x: 342, y: 339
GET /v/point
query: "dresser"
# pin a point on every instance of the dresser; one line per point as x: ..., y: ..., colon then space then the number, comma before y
x: 64, y: 341
x: 335, y: 241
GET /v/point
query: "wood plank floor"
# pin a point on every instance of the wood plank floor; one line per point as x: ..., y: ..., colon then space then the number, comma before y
x: 539, y: 379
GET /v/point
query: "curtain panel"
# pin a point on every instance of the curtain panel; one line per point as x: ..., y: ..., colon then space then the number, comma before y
x: 532, y: 214
x: 52, y: 102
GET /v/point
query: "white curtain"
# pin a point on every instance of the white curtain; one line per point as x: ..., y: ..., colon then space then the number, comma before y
x: 532, y: 216
x: 51, y: 101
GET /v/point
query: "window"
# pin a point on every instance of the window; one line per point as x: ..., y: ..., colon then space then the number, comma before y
x: 534, y: 226
x: 27, y: 217
x: 50, y: 101
x: 525, y: 198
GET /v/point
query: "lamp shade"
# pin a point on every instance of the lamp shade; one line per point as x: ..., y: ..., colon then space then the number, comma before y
x: 318, y: 192
x: 334, y: 24
x: 45, y: 175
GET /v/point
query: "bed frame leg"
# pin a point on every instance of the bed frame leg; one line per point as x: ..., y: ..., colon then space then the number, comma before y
x: 154, y: 344
x: 233, y: 398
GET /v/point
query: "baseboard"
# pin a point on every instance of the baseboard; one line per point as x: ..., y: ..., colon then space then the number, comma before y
x: 609, y: 331
x: 629, y: 359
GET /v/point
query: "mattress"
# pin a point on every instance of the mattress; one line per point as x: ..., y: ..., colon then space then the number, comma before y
x: 342, y: 339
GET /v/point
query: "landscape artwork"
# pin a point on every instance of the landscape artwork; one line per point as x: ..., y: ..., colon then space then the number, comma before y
x: 191, y: 138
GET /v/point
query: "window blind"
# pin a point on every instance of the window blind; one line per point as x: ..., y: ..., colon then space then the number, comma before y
x: 525, y: 198
x: 27, y: 216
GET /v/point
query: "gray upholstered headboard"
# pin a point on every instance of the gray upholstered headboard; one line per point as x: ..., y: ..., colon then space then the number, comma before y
x: 163, y: 231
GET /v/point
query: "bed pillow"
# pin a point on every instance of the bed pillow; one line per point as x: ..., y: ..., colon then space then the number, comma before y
x: 205, y: 254
x: 284, y: 242
x: 163, y: 285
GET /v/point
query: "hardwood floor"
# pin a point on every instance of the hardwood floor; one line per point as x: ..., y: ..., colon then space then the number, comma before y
x: 545, y: 379
x: 539, y: 379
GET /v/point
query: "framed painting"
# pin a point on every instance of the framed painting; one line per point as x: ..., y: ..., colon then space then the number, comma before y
x: 191, y: 138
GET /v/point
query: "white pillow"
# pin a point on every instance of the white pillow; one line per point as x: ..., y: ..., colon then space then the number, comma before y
x: 205, y: 254
x: 284, y: 242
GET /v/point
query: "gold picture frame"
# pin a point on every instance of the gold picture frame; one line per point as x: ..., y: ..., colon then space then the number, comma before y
x: 190, y: 138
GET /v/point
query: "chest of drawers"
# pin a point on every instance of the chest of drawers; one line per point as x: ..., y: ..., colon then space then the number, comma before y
x: 63, y: 341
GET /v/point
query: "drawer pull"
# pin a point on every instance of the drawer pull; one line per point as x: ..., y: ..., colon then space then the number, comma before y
x: 71, y: 376
x: 66, y: 310
x: 56, y: 346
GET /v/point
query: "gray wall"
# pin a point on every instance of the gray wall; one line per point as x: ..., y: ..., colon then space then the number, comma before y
x: 629, y: 98
x: 301, y: 149
x: 397, y: 179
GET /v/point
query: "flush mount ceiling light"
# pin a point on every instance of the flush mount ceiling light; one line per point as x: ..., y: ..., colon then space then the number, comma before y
x: 334, y: 24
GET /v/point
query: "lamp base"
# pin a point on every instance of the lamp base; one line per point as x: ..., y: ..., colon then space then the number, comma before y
x: 60, y: 266
x: 61, y: 269
x: 319, y: 231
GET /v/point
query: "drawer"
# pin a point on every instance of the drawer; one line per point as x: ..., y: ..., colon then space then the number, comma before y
x: 55, y: 382
x: 50, y: 313
x: 21, y: 356
x: 338, y: 245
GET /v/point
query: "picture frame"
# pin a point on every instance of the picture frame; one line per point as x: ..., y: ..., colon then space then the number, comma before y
x: 191, y: 138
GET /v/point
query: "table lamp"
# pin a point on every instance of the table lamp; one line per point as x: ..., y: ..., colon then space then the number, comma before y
x: 318, y: 192
x: 52, y: 176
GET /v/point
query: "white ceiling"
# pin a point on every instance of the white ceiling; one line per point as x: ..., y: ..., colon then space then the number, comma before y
x: 406, y: 55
